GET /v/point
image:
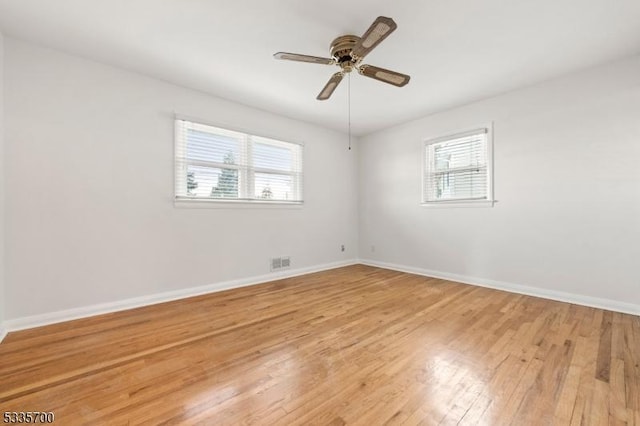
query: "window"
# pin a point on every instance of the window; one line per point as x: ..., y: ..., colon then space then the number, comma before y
x: 222, y: 165
x: 457, y: 168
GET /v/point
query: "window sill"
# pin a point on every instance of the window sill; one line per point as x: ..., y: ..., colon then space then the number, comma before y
x: 235, y: 204
x: 459, y: 203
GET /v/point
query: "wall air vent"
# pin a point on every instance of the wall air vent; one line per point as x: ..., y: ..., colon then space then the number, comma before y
x: 278, y: 263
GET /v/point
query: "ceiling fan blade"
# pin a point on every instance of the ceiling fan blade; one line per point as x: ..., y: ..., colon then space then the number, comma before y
x: 391, y: 77
x: 378, y: 31
x: 331, y: 85
x: 304, y: 58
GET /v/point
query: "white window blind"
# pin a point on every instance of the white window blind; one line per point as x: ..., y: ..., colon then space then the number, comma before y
x: 224, y: 165
x: 457, y: 167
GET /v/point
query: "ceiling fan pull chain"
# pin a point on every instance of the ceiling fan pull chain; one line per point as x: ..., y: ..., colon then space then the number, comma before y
x: 349, y: 102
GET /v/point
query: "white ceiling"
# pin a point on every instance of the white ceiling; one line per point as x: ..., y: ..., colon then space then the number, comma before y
x: 456, y: 51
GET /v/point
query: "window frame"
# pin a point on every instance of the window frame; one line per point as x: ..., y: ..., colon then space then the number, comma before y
x: 489, y: 201
x: 297, y: 183
x: 246, y: 174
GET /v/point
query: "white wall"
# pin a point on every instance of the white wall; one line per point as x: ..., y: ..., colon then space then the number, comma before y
x: 567, y: 181
x: 2, y: 206
x: 90, y: 214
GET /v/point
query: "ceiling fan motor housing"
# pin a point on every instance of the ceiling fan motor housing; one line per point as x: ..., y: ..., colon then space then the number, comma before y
x: 341, y: 51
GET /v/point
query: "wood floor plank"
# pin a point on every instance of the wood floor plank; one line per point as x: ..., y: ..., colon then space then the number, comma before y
x: 355, y: 345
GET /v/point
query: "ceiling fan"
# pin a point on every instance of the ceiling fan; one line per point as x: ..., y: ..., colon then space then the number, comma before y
x: 347, y: 52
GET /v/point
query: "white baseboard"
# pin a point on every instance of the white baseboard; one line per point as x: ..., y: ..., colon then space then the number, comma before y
x: 3, y: 332
x: 577, y: 299
x: 104, y: 308
x: 136, y: 302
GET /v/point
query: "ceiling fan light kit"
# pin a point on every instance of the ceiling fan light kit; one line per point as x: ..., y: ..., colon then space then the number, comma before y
x: 348, y: 51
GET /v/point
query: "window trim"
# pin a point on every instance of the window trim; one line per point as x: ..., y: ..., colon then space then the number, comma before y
x: 182, y: 201
x: 461, y: 202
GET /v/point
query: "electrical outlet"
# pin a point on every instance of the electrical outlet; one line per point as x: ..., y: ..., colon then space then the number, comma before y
x: 342, y: 247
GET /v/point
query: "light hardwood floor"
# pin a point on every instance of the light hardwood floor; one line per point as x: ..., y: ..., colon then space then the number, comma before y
x: 355, y: 345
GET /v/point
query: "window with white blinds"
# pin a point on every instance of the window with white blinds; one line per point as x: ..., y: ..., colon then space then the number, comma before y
x: 223, y: 165
x: 457, y: 168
